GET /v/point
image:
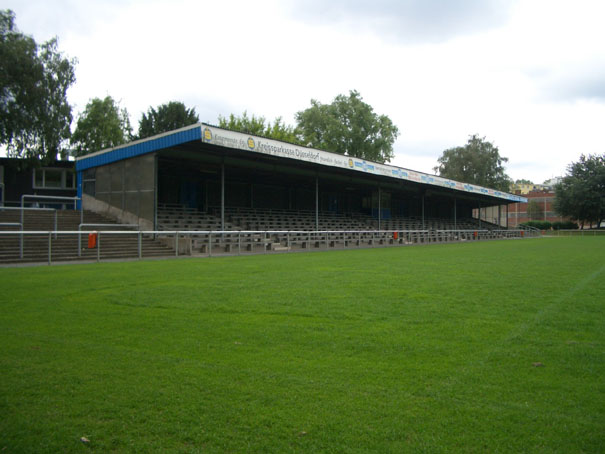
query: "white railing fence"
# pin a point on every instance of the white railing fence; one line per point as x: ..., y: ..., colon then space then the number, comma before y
x: 50, y: 246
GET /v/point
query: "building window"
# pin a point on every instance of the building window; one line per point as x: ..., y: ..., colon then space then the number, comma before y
x: 53, y: 178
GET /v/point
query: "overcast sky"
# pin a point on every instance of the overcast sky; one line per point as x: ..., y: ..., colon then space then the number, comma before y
x: 529, y: 75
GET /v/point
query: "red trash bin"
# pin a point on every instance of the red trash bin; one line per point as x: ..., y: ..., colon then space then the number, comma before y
x: 92, y: 240
x: 395, y: 235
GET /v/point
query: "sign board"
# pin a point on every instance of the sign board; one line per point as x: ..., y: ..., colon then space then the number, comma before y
x: 254, y: 144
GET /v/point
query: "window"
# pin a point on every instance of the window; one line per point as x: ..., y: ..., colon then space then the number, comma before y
x: 53, y: 178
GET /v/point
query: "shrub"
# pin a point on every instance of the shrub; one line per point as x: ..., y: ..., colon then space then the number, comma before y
x: 542, y: 225
x: 565, y: 225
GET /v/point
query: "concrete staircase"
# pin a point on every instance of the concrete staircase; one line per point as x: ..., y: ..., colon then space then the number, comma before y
x: 64, y: 246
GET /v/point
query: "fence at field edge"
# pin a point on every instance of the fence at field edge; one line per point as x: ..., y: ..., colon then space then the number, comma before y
x: 212, y: 243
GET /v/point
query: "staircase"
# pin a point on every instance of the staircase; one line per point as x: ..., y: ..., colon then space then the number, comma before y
x: 64, y: 246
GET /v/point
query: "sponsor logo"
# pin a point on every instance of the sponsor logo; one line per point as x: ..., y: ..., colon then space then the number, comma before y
x: 251, y: 143
x: 351, y: 163
x: 207, y: 135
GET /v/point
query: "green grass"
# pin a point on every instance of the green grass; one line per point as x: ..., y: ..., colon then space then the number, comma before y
x: 419, y: 349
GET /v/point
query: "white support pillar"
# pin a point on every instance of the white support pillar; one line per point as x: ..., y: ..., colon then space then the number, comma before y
x: 379, y: 208
x: 316, y: 202
x: 223, y: 195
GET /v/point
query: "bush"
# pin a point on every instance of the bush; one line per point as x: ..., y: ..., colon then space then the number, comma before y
x: 542, y: 225
x: 565, y: 225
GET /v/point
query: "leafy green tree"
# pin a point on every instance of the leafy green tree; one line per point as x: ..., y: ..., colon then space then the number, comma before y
x: 523, y: 181
x: 167, y: 117
x: 259, y: 126
x: 35, y: 117
x: 348, y: 126
x: 581, y: 193
x: 102, y: 125
x: 535, y: 210
x: 478, y: 162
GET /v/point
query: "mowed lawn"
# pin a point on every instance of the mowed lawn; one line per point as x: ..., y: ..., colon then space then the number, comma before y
x: 491, y: 347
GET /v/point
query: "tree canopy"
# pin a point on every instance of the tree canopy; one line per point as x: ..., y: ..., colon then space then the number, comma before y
x: 581, y: 193
x: 478, y: 162
x: 35, y: 117
x: 259, y: 126
x: 102, y: 125
x: 348, y: 126
x: 166, y: 117
x: 523, y: 181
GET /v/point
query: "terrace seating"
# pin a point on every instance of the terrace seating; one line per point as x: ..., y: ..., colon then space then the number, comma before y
x: 65, y: 245
x: 290, y: 229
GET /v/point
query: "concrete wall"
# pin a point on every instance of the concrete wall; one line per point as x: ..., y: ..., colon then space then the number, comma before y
x: 125, y: 190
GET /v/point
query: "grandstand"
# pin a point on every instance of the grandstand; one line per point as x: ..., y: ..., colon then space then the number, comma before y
x: 221, y: 191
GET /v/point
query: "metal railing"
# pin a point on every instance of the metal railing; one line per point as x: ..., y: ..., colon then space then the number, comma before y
x: 574, y: 232
x: 213, y: 243
x: 52, y: 197
x: 97, y: 233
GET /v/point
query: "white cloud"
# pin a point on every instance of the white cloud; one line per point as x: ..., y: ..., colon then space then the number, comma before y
x: 525, y: 74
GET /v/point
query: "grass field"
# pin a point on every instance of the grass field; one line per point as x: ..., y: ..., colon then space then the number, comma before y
x: 491, y: 347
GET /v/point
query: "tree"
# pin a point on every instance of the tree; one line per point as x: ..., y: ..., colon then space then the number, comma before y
x: 478, y: 162
x: 348, y: 126
x: 581, y: 193
x: 167, y: 117
x: 258, y: 126
x: 35, y: 117
x: 535, y: 210
x: 102, y: 125
x: 523, y: 181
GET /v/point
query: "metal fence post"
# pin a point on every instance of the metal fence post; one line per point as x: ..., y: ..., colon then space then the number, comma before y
x: 176, y: 244
x: 210, y: 244
x: 49, y: 246
x: 140, y: 245
x: 99, y: 246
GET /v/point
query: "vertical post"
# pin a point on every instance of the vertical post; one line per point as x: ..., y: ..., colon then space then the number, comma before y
x: 455, y: 215
x: 499, y: 216
x: 21, y: 242
x: 379, y: 208
x: 479, y: 214
x: 99, y: 246
x: 507, y: 205
x: 239, y: 243
x: 210, y: 244
x: 176, y: 244
x: 80, y: 240
x: 223, y: 194
x: 156, y: 170
x: 56, y: 224
x: 140, y: 245
x: 49, y: 247
x: 422, y: 211
x: 316, y: 202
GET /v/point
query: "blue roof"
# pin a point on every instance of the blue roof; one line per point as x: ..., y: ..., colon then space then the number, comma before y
x: 140, y: 147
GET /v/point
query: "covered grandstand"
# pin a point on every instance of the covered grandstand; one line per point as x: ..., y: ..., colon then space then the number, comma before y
x: 204, y: 178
